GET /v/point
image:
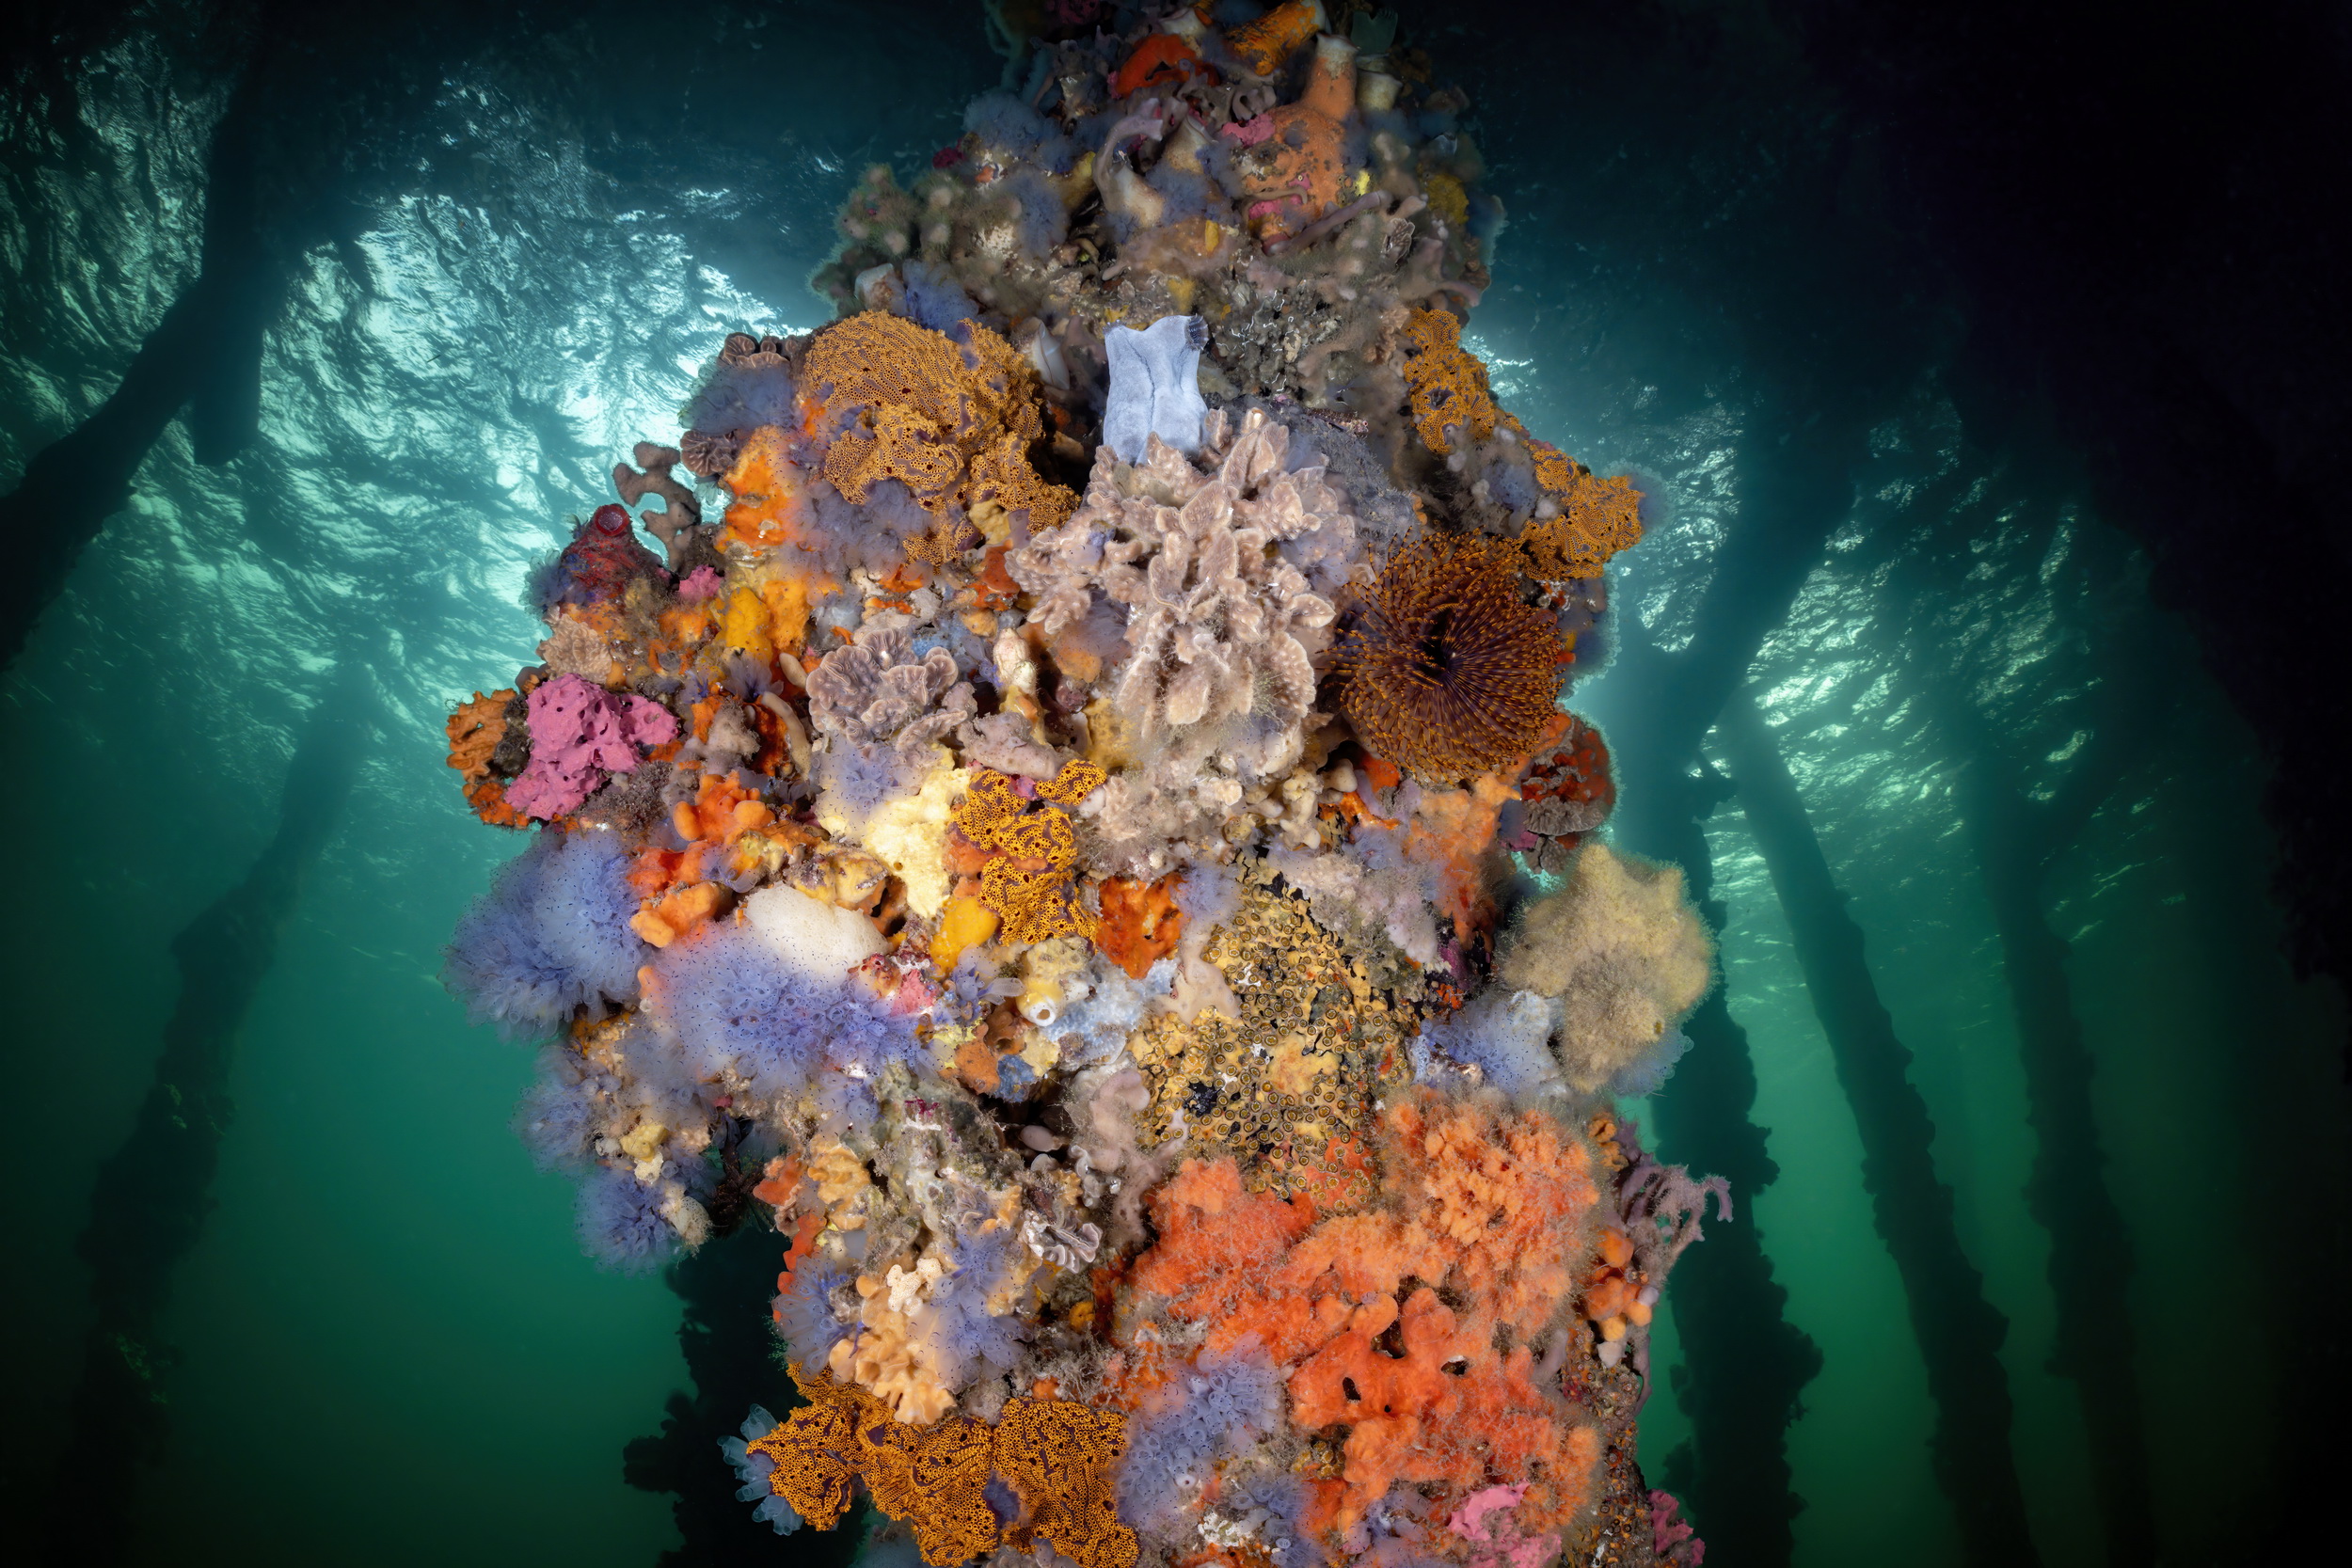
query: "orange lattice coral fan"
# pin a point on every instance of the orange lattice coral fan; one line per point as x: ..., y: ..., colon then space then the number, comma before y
x: 474, y: 731
x: 1491, y: 1208
x: 1448, y: 383
x: 818, y: 1450
x: 1060, y: 1459
x: 1448, y: 671
x: 1597, y: 517
x: 1026, y: 882
x: 1140, y: 923
x: 952, y: 420
x: 934, y: 1477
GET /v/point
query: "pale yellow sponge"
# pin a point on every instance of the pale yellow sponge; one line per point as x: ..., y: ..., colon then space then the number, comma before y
x: 1623, y: 954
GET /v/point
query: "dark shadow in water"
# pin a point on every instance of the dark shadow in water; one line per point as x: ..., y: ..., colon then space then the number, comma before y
x: 1960, y: 1332
x: 154, y: 1191
x: 205, y: 356
x: 1745, y: 1366
x: 731, y: 1354
x: 2016, y: 837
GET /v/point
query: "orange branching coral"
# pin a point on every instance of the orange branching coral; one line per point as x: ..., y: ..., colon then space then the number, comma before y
x: 1448, y: 383
x: 1490, y: 1208
x: 951, y: 421
x: 1596, y: 517
x: 1503, y: 1193
x: 474, y: 731
x: 1448, y: 673
x: 1140, y: 923
x: 1061, y: 1459
x: 1027, y: 883
x: 1442, y: 1412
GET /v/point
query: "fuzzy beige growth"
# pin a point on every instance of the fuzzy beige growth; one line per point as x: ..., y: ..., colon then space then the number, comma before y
x: 1623, y: 953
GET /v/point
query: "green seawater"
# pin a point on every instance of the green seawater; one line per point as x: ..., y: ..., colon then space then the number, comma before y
x: 389, y: 1349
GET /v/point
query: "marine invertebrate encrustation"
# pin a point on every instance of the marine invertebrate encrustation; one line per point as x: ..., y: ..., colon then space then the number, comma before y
x: 1084, y: 934
x: 950, y: 417
x: 1191, y: 551
x: 1448, y: 671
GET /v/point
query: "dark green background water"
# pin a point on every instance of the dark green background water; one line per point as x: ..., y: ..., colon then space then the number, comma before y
x: 393, y: 1352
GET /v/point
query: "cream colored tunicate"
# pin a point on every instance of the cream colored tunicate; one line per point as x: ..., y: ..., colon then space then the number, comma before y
x: 817, y: 940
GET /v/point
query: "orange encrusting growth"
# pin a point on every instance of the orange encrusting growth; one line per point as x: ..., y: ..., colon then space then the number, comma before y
x: 1451, y: 831
x: 1262, y: 45
x: 1163, y: 60
x: 1447, y: 382
x: 770, y: 505
x: 729, y: 832
x: 769, y: 619
x: 1026, y: 880
x: 1493, y: 1208
x: 1140, y: 923
x: 951, y: 421
x: 1060, y: 1459
x: 474, y: 731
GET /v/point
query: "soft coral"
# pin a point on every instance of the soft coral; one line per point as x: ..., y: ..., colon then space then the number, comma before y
x: 1493, y: 1208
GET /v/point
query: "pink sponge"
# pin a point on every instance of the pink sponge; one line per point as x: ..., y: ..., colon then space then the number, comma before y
x: 1484, y: 1520
x: 579, y: 733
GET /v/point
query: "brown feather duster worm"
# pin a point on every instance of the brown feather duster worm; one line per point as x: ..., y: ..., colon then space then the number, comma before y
x: 1448, y: 673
